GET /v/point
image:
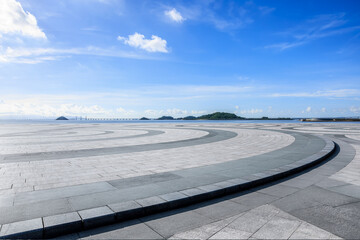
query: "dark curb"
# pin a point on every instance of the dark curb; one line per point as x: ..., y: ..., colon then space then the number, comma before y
x: 57, y: 225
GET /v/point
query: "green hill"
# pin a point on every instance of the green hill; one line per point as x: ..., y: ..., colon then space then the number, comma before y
x: 166, y: 118
x: 62, y: 118
x: 220, y: 116
x: 189, y: 118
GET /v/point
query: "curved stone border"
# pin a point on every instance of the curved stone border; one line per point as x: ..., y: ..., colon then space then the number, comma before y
x: 212, y: 136
x: 51, y: 226
x: 148, y: 134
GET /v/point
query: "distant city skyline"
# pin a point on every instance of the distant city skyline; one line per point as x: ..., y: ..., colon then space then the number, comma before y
x: 132, y: 59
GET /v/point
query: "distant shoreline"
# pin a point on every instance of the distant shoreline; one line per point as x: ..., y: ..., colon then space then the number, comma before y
x: 330, y: 120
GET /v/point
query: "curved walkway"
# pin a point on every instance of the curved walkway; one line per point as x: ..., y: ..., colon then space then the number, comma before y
x: 322, y: 203
x: 102, y: 202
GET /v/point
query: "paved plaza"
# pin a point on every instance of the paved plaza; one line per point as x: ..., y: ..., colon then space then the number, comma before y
x: 87, y: 173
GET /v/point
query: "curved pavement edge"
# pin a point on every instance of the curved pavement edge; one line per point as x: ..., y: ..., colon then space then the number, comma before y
x: 56, y: 225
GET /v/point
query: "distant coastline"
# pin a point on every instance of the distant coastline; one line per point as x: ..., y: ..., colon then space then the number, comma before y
x: 330, y: 120
x: 217, y: 116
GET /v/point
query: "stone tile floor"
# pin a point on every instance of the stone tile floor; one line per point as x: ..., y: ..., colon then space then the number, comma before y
x: 46, y: 174
x: 288, y: 209
x: 313, y: 205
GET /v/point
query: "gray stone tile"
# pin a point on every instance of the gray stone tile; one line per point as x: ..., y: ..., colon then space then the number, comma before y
x: 308, y: 231
x: 169, y: 223
x: 324, y: 196
x: 153, y: 204
x: 279, y: 190
x: 328, y: 183
x: 213, y: 190
x: 61, y: 224
x: 231, y: 233
x: 34, y: 210
x: 349, y: 190
x: 252, y: 221
x: 205, y: 231
x: 56, y: 193
x: 97, y: 216
x: 127, y: 210
x: 254, y: 199
x: 6, y: 201
x: 95, y: 200
x: 218, y: 210
x: 336, y: 220
x: 226, y: 184
x: 295, y: 201
x: 173, y: 196
x: 299, y: 183
x: 150, y: 201
x: 105, y: 198
x: 277, y: 228
x: 176, y: 199
x: 143, y: 180
x: 238, y: 181
x: 128, y: 230
x: 176, y: 184
x: 193, y: 192
x: 24, y: 229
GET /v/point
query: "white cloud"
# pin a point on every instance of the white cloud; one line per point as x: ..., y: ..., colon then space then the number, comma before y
x: 243, y: 78
x: 266, y: 10
x: 24, y: 108
x: 43, y: 106
x: 308, y: 109
x: 198, y: 112
x: 38, y: 55
x: 137, y: 40
x: 237, y: 15
x: 125, y: 112
x: 354, y: 109
x: 172, y: 112
x: 327, y: 93
x: 14, y: 20
x: 323, y: 109
x: 219, y: 88
x: 320, y: 26
x: 174, y: 15
x: 251, y: 111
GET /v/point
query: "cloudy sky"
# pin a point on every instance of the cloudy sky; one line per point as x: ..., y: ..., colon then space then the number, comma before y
x: 151, y: 58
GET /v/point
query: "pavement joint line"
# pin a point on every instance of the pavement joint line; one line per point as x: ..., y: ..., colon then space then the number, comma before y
x: 227, y: 223
x: 211, y: 191
x: 152, y: 229
x: 260, y: 228
x: 295, y: 230
x: 341, y: 205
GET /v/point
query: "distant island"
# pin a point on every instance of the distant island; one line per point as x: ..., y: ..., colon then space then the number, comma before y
x: 189, y: 118
x: 219, y: 116
x: 62, y: 118
x: 144, y: 118
x: 166, y: 118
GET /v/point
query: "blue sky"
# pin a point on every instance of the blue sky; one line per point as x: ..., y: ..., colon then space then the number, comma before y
x: 135, y: 58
